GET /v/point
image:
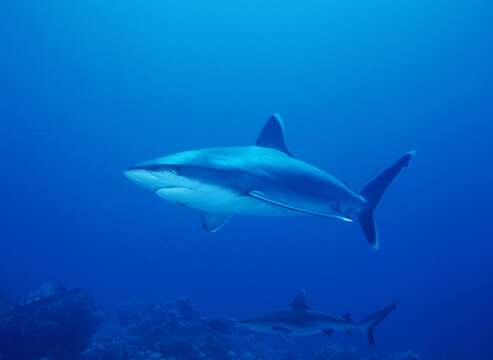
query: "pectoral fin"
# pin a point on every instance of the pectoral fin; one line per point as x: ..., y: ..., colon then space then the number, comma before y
x: 212, y: 222
x: 259, y: 195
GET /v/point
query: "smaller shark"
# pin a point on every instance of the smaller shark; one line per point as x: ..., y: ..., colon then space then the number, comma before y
x: 301, y: 320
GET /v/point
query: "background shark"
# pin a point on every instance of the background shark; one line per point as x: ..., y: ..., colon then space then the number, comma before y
x: 263, y: 179
x: 300, y: 320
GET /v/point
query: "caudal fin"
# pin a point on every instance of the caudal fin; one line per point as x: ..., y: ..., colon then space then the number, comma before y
x: 369, y: 324
x: 373, y: 192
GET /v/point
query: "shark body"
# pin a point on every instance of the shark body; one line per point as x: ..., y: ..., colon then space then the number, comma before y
x: 300, y: 320
x: 261, y: 179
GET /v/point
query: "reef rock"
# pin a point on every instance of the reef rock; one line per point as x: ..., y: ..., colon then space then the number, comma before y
x: 409, y: 356
x: 52, y: 322
x: 334, y: 352
x: 173, y: 330
x: 5, y: 304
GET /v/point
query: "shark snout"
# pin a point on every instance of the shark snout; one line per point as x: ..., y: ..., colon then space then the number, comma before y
x: 154, y: 177
x: 141, y: 176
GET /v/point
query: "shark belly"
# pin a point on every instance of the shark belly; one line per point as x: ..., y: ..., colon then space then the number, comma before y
x: 212, y: 198
x: 305, y: 331
x: 314, y: 328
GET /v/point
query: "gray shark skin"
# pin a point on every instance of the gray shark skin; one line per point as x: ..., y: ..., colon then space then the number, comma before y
x: 300, y: 320
x: 261, y: 179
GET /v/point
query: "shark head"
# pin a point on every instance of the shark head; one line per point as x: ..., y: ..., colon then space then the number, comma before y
x: 191, y: 179
x: 164, y: 172
x: 150, y: 178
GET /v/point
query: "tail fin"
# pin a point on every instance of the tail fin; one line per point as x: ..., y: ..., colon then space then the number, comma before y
x: 369, y: 324
x: 373, y: 192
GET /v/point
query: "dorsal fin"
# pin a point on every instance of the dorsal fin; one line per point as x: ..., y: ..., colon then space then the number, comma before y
x: 299, y: 302
x: 272, y: 135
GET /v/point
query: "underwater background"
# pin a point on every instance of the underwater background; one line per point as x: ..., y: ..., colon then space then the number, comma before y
x: 89, y: 88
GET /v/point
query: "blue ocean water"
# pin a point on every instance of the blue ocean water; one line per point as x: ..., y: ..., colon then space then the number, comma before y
x: 89, y: 88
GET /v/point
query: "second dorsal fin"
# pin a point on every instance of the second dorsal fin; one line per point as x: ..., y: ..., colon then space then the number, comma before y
x: 272, y: 135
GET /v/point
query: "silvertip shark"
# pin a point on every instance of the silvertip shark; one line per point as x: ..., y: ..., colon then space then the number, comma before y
x: 300, y: 320
x: 261, y: 179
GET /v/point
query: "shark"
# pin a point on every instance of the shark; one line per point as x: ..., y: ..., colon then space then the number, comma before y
x: 300, y: 320
x: 261, y: 179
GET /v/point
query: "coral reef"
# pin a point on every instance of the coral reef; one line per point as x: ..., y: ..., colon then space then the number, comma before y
x: 5, y: 304
x: 173, y: 330
x: 61, y: 324
x: 409, y: 356
x: 52, y: 322
x: 333, y: 352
